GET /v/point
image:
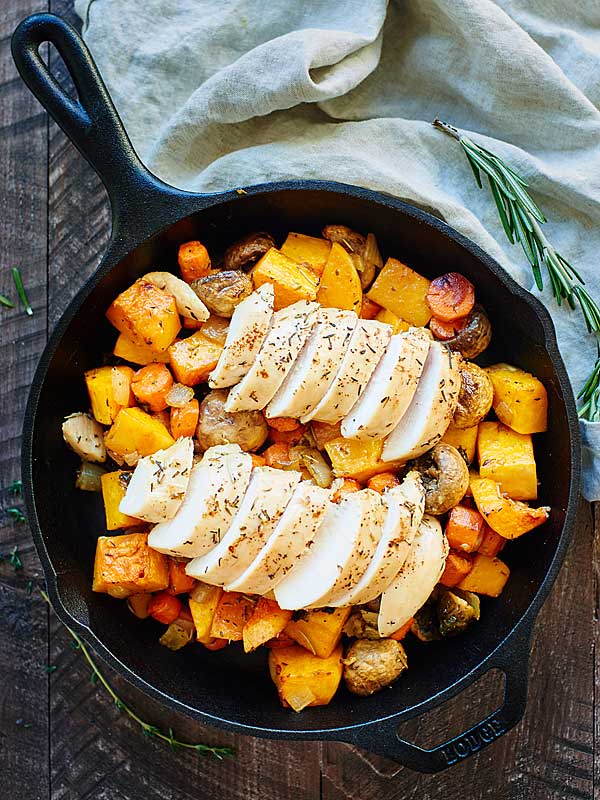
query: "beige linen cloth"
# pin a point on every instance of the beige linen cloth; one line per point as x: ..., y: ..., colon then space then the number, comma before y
x: 223, y: 93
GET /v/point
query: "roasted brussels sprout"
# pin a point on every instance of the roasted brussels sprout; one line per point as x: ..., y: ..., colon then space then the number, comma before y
x: 222, y: 291
x: 445, y: 477
x: 475, y: 336
x: 475, y: 396
x: 247, y: 251
x: 362, y: 624
x: 371, y: 664
x: 455, y: 612
x: 425, y: 624
x: 216, y: 426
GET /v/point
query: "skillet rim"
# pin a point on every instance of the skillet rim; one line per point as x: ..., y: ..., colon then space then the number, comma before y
x: 190, y: 203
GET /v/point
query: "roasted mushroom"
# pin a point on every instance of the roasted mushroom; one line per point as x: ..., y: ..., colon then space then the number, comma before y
x: 456, y: 610
x: 216, y: 426
x: 222, y: 291
x: 362, y: 624
x: 359, y: 247
x: 475, y: 397
x: 247, y: 251
x: 445, y: 477
x: 475, y: 336
x: 372, y: 664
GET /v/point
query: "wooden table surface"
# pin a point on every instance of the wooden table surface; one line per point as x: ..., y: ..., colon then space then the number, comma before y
x: 61, y: 737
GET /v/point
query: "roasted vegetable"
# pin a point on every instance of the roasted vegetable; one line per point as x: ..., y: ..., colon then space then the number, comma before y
x: 445, y: 478
x: 177, y: 635
x: 463, y: 439
x: 340, y: 284
x: 403, y: 292
x: 194, y: 261
x: 125, y: 565
x: 216, y: 426
x: 216, y: 328
x: 164, y: 607
x: 385, y: 480
x: 509, y: 518
x: 313, y: 461
x: 184, y: 419
x: 371, y: 665
x: 109, y: 389
x: 291, y: 281
x: 203, y: 605
x: 134, y: 431
x: 89, y: 477
x: 303, y: 679
x: 194, y: 358
x: 310, y: 251
x: 138, y: 604
x: 351, y: 240
x: 179, y: 581
x: 151, y: 385
x: 231, y: 615
x: 398, y: 325
x: 491, y: 542
x: 85, y: 437
x: 246, y: 251
x: 455, y: 612
x: 362, y: 624
x: 450, y: 296
x: 457, y: 566
x: 266, y: 622
x: 358, y: 459
x: 464, y: 529
x: 147, y: 315
x: 114, y: 486
x: 137, y: 353
x: 507, y: 457
x: 318, y: 630
x: 222, y: 291
x: 187, y: 302
x: 323, y: 432
x: 475, y: 336
x: 475, y: 396
x: 520, y: 399
x: 487, y: 576
x: 425, y: 624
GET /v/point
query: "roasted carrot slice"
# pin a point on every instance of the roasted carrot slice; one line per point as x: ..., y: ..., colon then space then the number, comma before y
x: 369, y: 308
x: 401, y: 632
x: 194, y: 261
x: 164, y: 607
x: 446, y: 330
x: 349, y: 486
x: 284, y: 424
x: 151, y: 384
x: 179, y: 581
x: 385, y: 480
x: 464, y: 529
x: 457, y: 566
x: 184, y: 420
x: 451, y: 296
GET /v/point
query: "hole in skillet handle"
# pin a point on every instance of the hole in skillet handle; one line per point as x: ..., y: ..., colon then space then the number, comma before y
x: 512, y: 659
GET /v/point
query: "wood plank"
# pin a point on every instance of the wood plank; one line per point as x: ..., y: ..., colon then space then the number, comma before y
x: 23, y: 616
x: 550, y: 755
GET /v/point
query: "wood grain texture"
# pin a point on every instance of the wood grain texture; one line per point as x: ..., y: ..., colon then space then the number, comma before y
x: 53, y: 208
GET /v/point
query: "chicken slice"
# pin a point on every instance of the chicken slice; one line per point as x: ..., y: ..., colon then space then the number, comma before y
x: 367, y: 346
x: 247, y: 331
x: 290, y: 328
x: 261, y: 508
x: 414, y: 583
x: 316, y: 365
x: 159, y: 483
x: 341, y: 551
x: 391, y: 388
x: 290, y: 541
x: 432, y: 407
x: 404, y: 512
x: 217, y: 485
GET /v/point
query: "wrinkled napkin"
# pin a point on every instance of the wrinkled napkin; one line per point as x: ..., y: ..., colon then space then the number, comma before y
x: 216, y: 95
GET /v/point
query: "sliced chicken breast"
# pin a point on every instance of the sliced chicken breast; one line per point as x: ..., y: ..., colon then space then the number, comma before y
x: 316, y: 365
x: 414, y: 583
x: 214, y: 494
x: 247, y: 330
x: 263, y: 504
x: 290, y: 328
x: 159, y: 483
x: 291, y: 539
x: 340, y: 549
x: 391, y: 388
x: 366, y: 348
x: 432, y: 407
x: 404, y: 511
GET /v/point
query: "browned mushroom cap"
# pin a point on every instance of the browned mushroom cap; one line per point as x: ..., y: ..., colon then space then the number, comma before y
x: 475, y: 396
x: 372, y: 664
x: 445, y: 478
x: 352, y: 241
x: 247, y: 251
x: 222, y: 291
x: 475, y: 336
x: 216, y: 426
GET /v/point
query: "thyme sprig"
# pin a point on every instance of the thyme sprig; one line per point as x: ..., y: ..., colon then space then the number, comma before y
x: 21, y: 290
x: 147, y: 728
x: 522, y: 219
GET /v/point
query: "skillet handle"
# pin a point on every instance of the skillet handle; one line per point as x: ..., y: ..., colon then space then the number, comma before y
x: 383, y: 739
x: 90, y: 121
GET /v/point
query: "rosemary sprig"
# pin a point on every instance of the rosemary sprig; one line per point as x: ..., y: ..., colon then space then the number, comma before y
x: 16, y: 514
x: 21, y: 290
x: 4, y: 301
x: 522, y: 219
x: 147, y: 728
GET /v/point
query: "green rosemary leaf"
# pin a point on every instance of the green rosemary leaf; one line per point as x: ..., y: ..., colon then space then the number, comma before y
x: 508, y: 230
x: 15, y: 559
x: 475, y: 169
x: 4, y: 301
x: 21, y: 290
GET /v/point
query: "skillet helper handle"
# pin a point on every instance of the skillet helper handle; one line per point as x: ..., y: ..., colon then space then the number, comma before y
x: 90, y: 121
x: 383, y: 738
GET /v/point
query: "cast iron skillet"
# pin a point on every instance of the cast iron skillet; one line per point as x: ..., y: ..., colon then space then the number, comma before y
x: 150, y: 219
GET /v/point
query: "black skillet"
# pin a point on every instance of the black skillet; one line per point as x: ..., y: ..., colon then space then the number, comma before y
x: 150, y: 219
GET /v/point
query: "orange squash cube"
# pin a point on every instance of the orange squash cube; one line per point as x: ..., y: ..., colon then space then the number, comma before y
x: 204, y: 600
x: 317, y: 630
x: 109, y: 389
x: 194, y: 358
x: 360, y: 459
x: 136, y: 353
x: 509, y: 518
x: 457, y: 566
x: 506, y: 457
x: 340, y: 283
x: 309, y: 251
x: 135, y: 431
x: 403, y: 292
x: 487, y: 576
x: 303, y: 679
x: 291, y: 281
x: 520, y: 399
x: 398, y: 325
x: 267, y: 622
x: 125, y: 565
x: 464, y: 439
x: 114, y: 486
x: 147, y: 315
x: 491, y: 543
x: 233, y: 611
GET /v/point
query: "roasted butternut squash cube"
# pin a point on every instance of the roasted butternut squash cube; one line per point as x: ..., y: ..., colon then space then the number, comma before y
x: 233, y: 611
x: 509, y: 518
x: 114, y: 486
x: 291, y: 281
x: 125, y: 565
x: 109, y: 389
x: 340, y: 283
x: 303, y: 679
x: 491, y: 543
x: 135, y: 431
x: 136, y: 353
x: 520, y: 399
x: 147, y: 315
x: 266, y: 622
x: 398, y: 325
x: 324, y: 432
x: 351, y: 458
x: 464, y: 439
x: 192, y: 359
x: 318, y: 630
x: 203, y: 605
x: 403, y: 292
x: 486, y: 576
x: 507, y: 457
x: 310, y: 251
